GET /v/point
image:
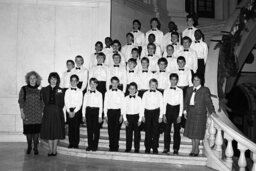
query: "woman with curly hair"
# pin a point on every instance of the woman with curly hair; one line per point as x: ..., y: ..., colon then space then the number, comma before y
x: 31, y: 107
x: 53, y: 126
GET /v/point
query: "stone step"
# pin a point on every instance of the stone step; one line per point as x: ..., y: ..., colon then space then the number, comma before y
x: 102, y: 153
x: 184, y: 147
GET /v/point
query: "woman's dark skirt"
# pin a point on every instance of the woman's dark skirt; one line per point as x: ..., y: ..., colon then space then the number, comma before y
x: 195, y: 124
x: 53, y: 125
x: 31, y: 128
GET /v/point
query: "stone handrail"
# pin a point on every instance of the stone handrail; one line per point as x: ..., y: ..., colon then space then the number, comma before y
x: 220, y: 128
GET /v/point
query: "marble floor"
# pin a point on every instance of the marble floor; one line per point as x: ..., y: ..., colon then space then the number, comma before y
x: 13, y: 157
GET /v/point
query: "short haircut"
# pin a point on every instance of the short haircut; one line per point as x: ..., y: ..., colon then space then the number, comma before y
x: 93, y: 80
x: 135, y: 49
x: 74, y: 76
x: 158, y: 22
x: 133, y: 84
x: 38, y: 77
x: 70, y: 61
x: 151, y: 44
x: 145, y: 59
x: 108, y: 38
x: 79, y: 56
x: 56, y: 76
x: 132, y: 60
x: 102, y: 54
x: 174, y: 75
x: 153, y: 80
x: 99, y: 43
x: 137, y: 21
x: 114, y: 79
x: 186, y: 38
x: 194, y: 17
x: 116, y: 54
x: 175, y: 28
x: 162, y: 60
x: 181, y: 58
x: 116, y: 42
x: 170, y: 45
x: 129, y: 34
x: 176, y: 34
x: 152, y: 35
x: 200, y: 32
x: 196, y: 75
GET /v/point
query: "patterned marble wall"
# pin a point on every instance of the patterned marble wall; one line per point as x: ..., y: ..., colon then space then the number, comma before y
x: 41, y: 35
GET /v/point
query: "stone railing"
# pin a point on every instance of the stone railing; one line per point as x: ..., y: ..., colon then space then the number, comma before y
x: 221, y: 132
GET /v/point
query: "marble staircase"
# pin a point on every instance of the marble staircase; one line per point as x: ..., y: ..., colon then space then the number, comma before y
x: 103, y: 153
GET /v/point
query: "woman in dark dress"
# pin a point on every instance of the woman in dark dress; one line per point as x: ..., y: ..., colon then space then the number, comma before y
x: 31, y: 108
x: 197, y: 103
x: 53, y: 127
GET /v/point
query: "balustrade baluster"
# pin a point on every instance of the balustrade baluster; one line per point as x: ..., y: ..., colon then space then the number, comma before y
x: 242, y: 160
x: 229, y: 151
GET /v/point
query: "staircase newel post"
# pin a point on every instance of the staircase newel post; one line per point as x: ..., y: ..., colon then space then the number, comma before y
x: 242, y: 160
x: 229, y: 151
x: 254, y: 161
x: 218, y: 141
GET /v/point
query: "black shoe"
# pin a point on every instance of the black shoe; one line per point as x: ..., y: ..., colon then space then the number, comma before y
x: 191, y: 154
x: 36, y: 152
x: 94, y: 149
x: 127, y: 150
x: 70, y: 146
x: 155, y: 151
x: 111, y: 150
x: 136, y: 151
x: 88, y: 149
x: 50, y: 154
x: 54, y: 154
x: 175, y: 152
x: 166, y: 151
x: 29, y: 150
x: 195, y: 155
x: 147, y: 151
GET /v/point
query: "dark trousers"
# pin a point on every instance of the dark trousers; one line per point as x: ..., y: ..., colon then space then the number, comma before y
x: 201, y: 67
x: 102, y: 88
x: 79, y: 85
x: 172, y: 113
x: 74, y: 129
x: 141, y: 92
x: 114, y: 128
x: 183, y: 120
x: 93, y: 130
x: 132, y: 127
x: 151, y: 128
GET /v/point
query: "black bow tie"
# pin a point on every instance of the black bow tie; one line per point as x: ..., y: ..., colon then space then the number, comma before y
x: 129, y: 44
x: 181, y: 69
x: 153, y: 29
x: 174, y: 43
x: 135, y: 31
x: 116, y: 65
x: 99, y: 64
x: 173, y: 88
x: 152, y: 90
x: 169, y: 56
x: 132, y: 96
x: 78, y: 68
x: 95, y: 53
x: 114, y: 89
x: 194, y: 90
x: 150, y: 55
x: 73, y: 89
x: 68, y: 70
x: 185, y: 50
x: 92, y: 91
x: 144, y: 71
x: 162, y: 71
x: 190, y: 28
x: 197, y: 41
x: 131, y: 71
x: 115, y: 52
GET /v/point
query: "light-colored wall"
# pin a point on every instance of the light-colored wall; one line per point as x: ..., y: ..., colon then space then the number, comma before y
x: 41, y: 35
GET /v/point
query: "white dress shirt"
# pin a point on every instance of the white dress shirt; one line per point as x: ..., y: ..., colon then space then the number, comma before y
x: 127, y: 50
x: 93, y: 99
x: 174, y: 97
x: 158, y: 34
x: 185, y: 77
x: 163, y: 79
x: 100, y: 72
x: 133, y: 105
x: 109, y: 58
x: 93, y: 60
x: 132, y: 76
x: 152, y: 101
x: 144, y: 78
x: 82, y: 73
x: 172, y: 64
x: 73, y: 99
x: 191, y: 58
x: 139, y: 38
x: 107, y: 50
x: 65, y: 79
x: 144, y: 51
x: 192, y: 99
x: 153, y: 60
x: 114, y: 100
x: 201, y: 49
x: 189, y: 32
x: 120, y: 73
x: 176, y: 46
